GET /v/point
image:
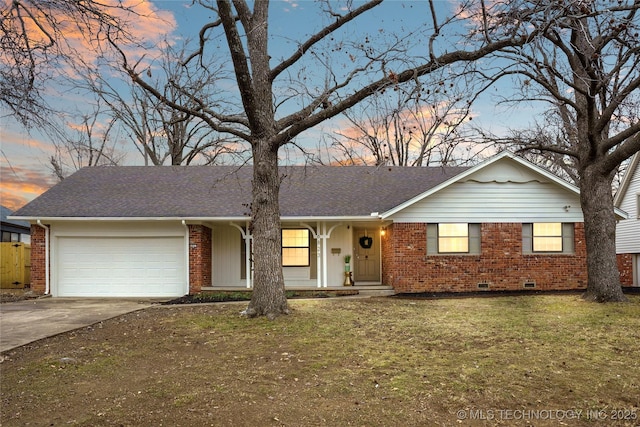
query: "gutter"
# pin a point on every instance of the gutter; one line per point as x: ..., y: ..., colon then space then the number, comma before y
x: 187, y: 247
x: 195, y: 218
x: 46, y: 256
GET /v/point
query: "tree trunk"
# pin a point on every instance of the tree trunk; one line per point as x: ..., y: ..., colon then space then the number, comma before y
x: 603, y: 283
x: 268, y: 297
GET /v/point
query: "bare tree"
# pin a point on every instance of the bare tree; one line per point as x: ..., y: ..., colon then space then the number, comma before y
x: 41, y: 39
x: 546, y: 131
x: 416, y: 126
x: 160, y: 133
x: 89, y: 143
x: 585, y: 63
x: 264, y: 90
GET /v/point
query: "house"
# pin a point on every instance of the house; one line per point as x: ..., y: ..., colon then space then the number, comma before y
x: 13, y: 230
x: 628, y: 230
x: 504, y: 224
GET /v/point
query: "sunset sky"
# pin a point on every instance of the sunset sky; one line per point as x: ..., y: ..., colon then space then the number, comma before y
x: 24, y: 159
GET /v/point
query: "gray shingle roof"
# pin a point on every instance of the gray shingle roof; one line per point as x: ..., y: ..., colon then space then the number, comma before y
x: 225, y: 191
x: 5, y: 212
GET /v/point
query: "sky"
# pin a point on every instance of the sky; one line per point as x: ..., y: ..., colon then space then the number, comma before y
x: 24, y: 159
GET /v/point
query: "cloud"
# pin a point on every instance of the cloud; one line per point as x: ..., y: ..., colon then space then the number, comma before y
x: 82, y: 38
x: 21, y: 185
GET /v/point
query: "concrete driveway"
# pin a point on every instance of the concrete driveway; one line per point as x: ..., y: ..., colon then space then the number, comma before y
x: 26, y: 321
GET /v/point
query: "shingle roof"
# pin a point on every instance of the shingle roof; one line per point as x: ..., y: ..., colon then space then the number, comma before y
x: 5, y: 212
x: 225, y: 191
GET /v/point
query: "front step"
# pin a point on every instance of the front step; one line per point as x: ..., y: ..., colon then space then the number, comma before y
x: 372, y: 290
x: 379, y: 291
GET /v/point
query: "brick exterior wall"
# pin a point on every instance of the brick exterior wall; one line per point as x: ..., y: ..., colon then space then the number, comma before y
x: 38, y: 258
x: 625, y: 266
x: 199, y: 258
x: 501, y: 263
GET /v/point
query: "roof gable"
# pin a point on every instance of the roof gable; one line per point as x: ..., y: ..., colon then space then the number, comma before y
x: 517, y: 166
x: 626, y: 180
x: 518, y: 170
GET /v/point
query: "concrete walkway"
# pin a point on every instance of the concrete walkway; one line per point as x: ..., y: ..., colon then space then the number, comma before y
x: 26, y: 321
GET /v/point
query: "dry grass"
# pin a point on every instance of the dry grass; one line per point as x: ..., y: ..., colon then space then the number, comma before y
x: 339, y: 362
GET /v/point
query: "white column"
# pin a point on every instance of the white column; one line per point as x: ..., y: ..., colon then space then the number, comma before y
x: 247, y: 244
x: 319, y: 257
x: 324, y: 254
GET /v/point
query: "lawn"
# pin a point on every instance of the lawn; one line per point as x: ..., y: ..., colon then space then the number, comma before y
x: 517, y: 360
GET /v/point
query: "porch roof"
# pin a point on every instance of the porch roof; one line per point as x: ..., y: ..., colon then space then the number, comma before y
x: 225, y: 191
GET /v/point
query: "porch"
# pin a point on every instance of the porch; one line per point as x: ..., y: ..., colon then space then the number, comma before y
x: 363, y: 290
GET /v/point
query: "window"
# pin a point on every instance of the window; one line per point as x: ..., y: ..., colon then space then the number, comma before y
x: 8, y: 236
x: 453, y: 238
x: 295, y: 248
x: 547, y: 237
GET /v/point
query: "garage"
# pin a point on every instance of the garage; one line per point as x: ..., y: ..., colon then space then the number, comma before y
x: 106, y: 266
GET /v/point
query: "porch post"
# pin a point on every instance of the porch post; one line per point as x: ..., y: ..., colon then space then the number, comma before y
x: 247, y: 246
x: 324, y: 254
x: 319, y: 257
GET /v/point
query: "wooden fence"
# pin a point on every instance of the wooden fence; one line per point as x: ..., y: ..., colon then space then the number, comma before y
x: 15, y: 265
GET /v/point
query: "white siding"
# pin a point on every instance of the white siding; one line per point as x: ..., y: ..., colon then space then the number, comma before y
x: 503, y: 191
x: 341, y: 238
x: 628, y: 230
x: 117, y: 229
x: 473, y: 201
x: 226, y: 241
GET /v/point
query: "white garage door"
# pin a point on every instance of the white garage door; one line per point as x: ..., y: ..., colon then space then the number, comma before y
x: 120, y: 267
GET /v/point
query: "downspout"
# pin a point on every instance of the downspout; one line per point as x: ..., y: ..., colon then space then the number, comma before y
x: 187, y: 245
x: 46, y: 256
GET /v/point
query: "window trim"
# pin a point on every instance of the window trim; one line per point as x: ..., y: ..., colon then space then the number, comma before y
x: 474, y: 237
x: 307, y: 247
x: 539, y: 237
x: 567, y: 236
x: 452, y: 237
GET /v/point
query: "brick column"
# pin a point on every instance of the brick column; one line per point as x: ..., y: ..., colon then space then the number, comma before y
x: 38, y: 260
x: 199, y: 258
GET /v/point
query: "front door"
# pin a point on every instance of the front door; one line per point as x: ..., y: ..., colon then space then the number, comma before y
x: 366, y: 252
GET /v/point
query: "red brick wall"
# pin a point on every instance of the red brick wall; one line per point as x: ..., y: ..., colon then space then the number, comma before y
x: 199, y: 258
x: 625, y: 266
x: 38, y: 258
x: 501, y: 264
x: 388, y: 250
